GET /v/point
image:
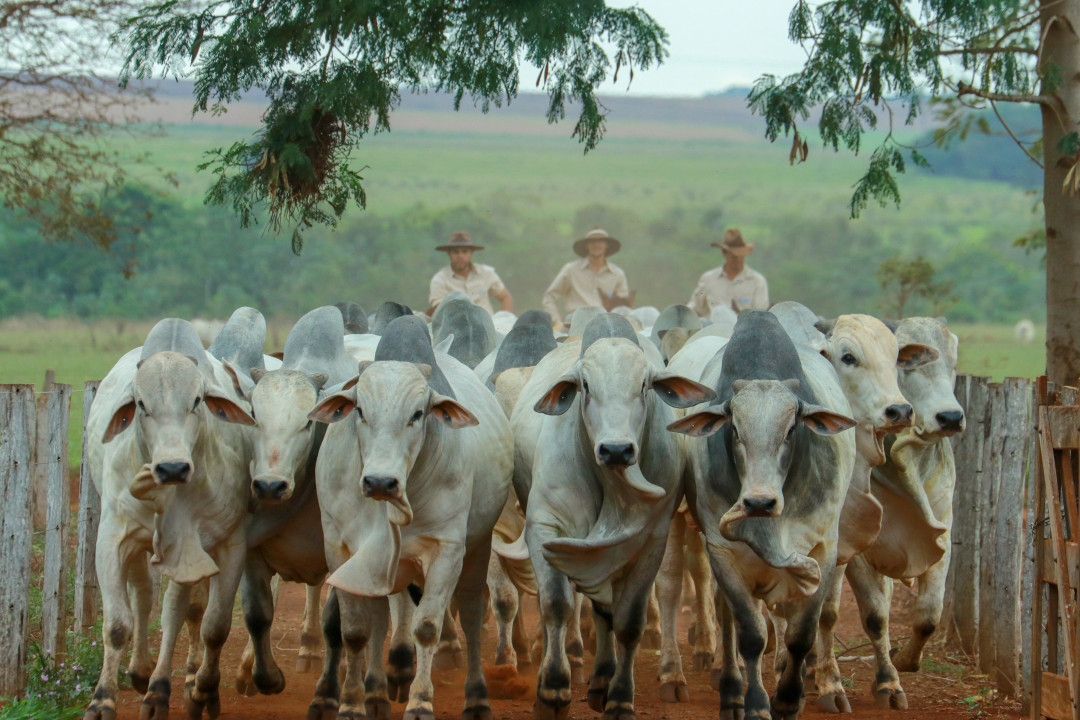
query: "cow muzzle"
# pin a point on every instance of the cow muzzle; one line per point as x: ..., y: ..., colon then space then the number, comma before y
x: 616, y: 454
x: 389, y: 490
x: 950, y: 421
x: 172, y: 472
x: 898, y: 416
x: 762, y: 505
x: 271, y: 487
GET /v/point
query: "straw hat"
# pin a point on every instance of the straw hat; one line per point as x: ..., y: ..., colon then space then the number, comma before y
x: 581, y: 247
x: 459, y: 240
x: 733, y: 243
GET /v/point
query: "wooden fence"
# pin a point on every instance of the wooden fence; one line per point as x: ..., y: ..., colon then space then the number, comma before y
x: 990, y: 590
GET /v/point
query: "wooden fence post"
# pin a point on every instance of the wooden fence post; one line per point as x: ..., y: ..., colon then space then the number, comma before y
x: 966, y: 531
x: 86, y: 584
x: 1012, y: 446
x: 994, y: 429
x: 960, y: 391
x: 54, y: 581
x: 39, y: 497
x: 1033, y: 594
x: 17, y: 422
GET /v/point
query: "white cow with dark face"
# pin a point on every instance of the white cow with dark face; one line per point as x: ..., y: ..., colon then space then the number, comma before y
x: 599, y: 477
x: 166, y: 455
x: 412, y: 475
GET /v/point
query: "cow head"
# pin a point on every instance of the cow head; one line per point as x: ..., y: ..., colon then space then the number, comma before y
x: 392, y: 408
x: 765, y: 417
x: 614, y: 381
x: 170, y: 403
x: 280, y: 403
x: 929, y: 387
x: 866, y: 356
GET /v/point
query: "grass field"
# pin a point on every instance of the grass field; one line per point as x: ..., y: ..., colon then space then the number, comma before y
x: 79, y: 352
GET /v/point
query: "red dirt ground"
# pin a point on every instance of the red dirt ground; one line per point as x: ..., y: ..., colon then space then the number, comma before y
x: 946, y: 690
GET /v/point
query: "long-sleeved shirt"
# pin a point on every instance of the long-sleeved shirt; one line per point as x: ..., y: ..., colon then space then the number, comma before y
x: 748, y: 289
x: 480, y: 282
x: 577, y: 285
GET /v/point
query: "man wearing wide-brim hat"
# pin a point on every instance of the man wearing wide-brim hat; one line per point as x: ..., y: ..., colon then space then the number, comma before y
x: 590, y: 281
x: 734, y: 284
x: 478, y: 282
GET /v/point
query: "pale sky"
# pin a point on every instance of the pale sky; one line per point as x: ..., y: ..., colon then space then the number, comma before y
x: 715, y: 44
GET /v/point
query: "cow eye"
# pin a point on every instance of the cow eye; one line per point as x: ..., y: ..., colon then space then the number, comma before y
x: 359, y: 412
x: 643, y: 387
x: 142, y: 407
x: 416, y: 417
x: 196, y: 405
x: 306, y: 427
x: 849, y: 359
x: 791, y: 430
x: 585, y: 386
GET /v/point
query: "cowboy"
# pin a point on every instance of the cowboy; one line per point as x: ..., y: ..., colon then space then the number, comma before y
x: 475, y: 280
x: 734, y: 284
x: 591, y: 281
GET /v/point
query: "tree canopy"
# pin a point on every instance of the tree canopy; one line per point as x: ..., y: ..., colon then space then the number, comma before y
x: 334, y: 71
x: 870, y: 63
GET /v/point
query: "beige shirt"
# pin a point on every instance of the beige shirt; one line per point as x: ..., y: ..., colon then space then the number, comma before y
x: 478, y: 284
x: 747, y: 290
x: 578, y: 286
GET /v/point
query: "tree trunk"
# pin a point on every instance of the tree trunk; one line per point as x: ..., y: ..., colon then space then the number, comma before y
x: 1061, y: 59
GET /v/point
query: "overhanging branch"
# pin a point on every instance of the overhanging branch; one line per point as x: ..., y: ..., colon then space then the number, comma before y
x: 963, y: 88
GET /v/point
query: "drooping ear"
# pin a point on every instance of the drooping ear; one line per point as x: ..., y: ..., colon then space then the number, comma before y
x: 825, y: 327
x: 121, y: 420
x: 256, y: 374
x: 560, y: 397
x: 225, y: 409
x: 680, y: 392
x: 319, y: 380
x: 334, y: 408
x: 913, y: 355
x: 822, y: 421
x: 450, y: 412
x: 702, y: 423
x: 241, y: 384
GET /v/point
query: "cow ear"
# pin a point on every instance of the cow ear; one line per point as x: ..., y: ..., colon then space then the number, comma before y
x: 559, y: 398
x: 241, y: 384
x: 680, y: 392
x: 225, y: 409
x: 913, y: 355
x: 702, y: 423
x: 451, y: 413
x: 825, y: 327
x: 333, y: 408
x: 121, y: 420
x: 824, y: 422
x: 256, y: 374
x: 319, y: 380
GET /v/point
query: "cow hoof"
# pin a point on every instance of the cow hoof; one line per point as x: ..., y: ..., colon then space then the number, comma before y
x: 351, y: 715
x: 245, y: 686
x: 703, y: 660
x: 543, y: 711
x: 197, y: 702
x: 100, y: 712
x: 597, y: 698
x: 399, y: 691
x: 903, y: 662
x: 506, y: 658
x: 834, y: 703
x: 650, y: 639
x: 322, y: 709
x: 477, y: 712
x: 890, y: 700
x: 447, y: 660
x: 674, y: 692
x: 377, y: 708
x: 419, y: 713
x: 620, y: 711
x: 270, y: 683
x: 716, y: 677
x: 731, y: 714
x: 139, y: 681
x: 785, y: 711
x: 305, y: 665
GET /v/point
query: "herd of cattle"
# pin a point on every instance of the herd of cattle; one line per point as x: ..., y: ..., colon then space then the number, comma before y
x: 426, y: 469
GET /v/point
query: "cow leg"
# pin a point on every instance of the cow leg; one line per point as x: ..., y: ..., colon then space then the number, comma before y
x: 245, y: 685
x: 217, y: 621
x: 604, y: 661
x: 556, y: 599
x: 324, y: 706
x: 449, y: 654
x: 504, y: 605
x: 926, y: 614
x: 471, y: 605
x: 140, y: 590
x: 376, y: 702
x: 803, y: 618
x: 651, y: 637
x: 582, y: 626
x: 669, y: 586
x: 519, y: 636
x: 258, y: 600
x: 575, y: 645
x: 442, y: 577
x: 196, y: 608
x: 830, y: 688
x: 356, y: 632
x: 873, y: 592
x: 155, y: 703
x: 750, y: 634
x: 698, y: 563
x: 112, y: 558
x: 402, y: 651
x: 310, y: 637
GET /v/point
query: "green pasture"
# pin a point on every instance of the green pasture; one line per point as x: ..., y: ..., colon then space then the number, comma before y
x: 79, y: 352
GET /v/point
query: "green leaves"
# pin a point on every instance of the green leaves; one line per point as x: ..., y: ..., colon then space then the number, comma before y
x: 333, y: 72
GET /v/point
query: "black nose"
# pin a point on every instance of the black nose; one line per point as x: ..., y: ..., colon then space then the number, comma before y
x: 619, y: 455
x: 759, y: 506
x: 376, y: 486
x: 898, y: 414
x: 172, y: 472
x: 950, y: 420
x: 269, y: 490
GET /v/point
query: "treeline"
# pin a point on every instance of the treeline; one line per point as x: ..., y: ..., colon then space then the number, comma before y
x: 190, y: 260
